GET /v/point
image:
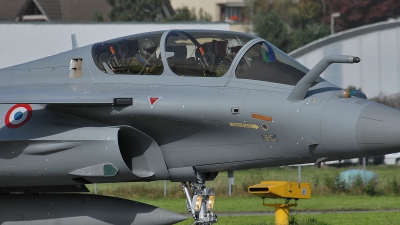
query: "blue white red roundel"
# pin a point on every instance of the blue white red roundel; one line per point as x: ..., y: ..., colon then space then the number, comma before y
x: 18, y: 115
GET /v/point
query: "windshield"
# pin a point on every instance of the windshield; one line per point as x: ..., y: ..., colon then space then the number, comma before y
x: 265, y: 62
x: 203, y: 53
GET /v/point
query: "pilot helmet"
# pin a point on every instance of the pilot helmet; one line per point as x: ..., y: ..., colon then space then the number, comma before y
x: 148, y: 47
x: 233, y: 47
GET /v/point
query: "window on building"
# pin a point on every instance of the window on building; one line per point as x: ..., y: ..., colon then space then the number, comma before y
x: 232, y: 12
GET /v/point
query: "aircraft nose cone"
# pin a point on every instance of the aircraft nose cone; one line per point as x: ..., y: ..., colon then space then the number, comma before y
x: 378, y: 129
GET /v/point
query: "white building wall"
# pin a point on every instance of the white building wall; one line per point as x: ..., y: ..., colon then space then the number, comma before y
x: 370, y: 63
x: 377, y: 45
x: 21, y: 43
x: 389, y: 65
x: 351, y: 73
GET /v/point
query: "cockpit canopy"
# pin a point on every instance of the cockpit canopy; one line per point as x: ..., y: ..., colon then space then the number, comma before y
x: 130, y: 55
x: 200, y: 53
x: 195, y: 53
x: 265, y: 62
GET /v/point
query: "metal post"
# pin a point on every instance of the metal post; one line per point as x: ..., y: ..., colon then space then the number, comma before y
x: 165, y: 188
x: 230, y: 182
x: 333, y: 15
x: 299, y: 174
x: 282, y: 213
x: 364, y: 164
x: 74, y: 41
x: 95, y: 188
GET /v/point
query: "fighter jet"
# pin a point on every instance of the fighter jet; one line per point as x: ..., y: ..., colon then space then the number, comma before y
x: 178, y: 105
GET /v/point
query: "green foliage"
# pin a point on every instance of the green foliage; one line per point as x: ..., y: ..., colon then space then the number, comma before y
x: 370, y: 187
x: 335, y: 184
x: 299, y: 22
x: 271, y: 28
x: 351, y: 87
x: 357, y: 187
x: 324, y: 181
x: 394, y: 187
x: 135, y: 10
x: 326, y: 218
x: 293, y: 220
x: 204, y: 16
x: 329, y: 183
x: 287, y: 10
x: 310, y: 11
x: 98, y: 16
x: 315, y: 182
x: 309, y: 20
x: 340, y: 185
x: 307, y: 34
x: 184, y: 14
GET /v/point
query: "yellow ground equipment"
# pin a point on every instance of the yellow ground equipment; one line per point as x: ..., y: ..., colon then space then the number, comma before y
x: 281, y: 189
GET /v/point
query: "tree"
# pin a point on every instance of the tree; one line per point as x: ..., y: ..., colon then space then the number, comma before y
x: 303, y: 18
x: 309, y: 12
x: 204, y: 16
x: 309, y: 33
x: 360, y: 12
x: 299, y: 22
x: 285, y: 9
x: 135, y: 10
x: 184, y: 14
x: 98, y: 16
x: 271, y: 28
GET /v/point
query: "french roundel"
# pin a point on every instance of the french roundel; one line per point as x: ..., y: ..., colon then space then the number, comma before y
x: 18, y: 115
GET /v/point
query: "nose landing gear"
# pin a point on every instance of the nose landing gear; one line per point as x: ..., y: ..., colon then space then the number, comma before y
x: 201, y: 202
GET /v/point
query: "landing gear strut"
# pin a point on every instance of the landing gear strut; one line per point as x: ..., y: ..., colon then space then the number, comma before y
x: 201, y: 203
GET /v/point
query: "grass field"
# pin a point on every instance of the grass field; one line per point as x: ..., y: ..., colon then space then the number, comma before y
x: 325, y: 197
x: 388, y: 182
x: 316, y: 203
x: 373, y: 218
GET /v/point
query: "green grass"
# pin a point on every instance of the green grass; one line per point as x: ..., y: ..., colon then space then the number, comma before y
x: 316, y: 203
x: 375, y: 218
x: 385, y: 197
x: 388, y: 182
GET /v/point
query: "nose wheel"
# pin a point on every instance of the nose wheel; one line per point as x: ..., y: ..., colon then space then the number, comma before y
x: 201, y: 203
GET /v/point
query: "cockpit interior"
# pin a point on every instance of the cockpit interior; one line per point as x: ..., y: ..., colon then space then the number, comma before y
x: 197, y: 53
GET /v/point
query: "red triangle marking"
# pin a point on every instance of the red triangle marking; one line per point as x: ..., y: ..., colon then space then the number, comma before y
x: 153, y: 100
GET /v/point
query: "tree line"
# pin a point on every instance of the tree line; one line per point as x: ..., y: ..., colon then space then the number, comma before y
x: 288, y: 24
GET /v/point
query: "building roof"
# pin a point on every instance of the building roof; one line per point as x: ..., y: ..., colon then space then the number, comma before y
x: 10, y: 9
x: 60, y: 10
x: 50, y: 8
x: 366, y: 29
x: 83, y: 10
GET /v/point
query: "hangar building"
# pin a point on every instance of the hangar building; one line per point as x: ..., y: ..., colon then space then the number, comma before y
x: 378, y: 46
